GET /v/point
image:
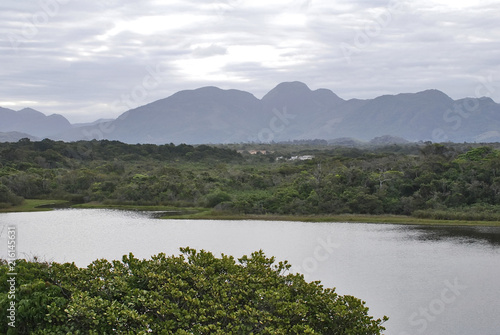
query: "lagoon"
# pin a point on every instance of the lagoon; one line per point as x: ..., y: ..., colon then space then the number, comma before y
x: 427, y: 279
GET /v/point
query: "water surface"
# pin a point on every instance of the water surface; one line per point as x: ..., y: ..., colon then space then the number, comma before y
x: 428, y: 280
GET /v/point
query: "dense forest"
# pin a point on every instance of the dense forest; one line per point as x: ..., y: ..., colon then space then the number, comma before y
x: 446, y: 181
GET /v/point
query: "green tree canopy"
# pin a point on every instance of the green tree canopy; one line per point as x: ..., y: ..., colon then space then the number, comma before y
x: 193, y: 293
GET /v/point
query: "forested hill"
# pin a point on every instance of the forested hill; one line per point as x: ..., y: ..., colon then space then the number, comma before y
x: 445, y: 181
x: 57, y: 154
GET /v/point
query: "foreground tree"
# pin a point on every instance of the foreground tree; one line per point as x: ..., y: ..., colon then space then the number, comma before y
x: 194, y: 293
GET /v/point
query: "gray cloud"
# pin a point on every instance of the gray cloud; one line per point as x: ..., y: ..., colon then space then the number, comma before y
x: 79, y: 58
x: 209, y: 51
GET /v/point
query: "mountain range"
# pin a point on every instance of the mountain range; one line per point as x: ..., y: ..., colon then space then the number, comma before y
x: 290, y: 111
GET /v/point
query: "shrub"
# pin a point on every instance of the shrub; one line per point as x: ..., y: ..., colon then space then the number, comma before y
x: 193, y: 293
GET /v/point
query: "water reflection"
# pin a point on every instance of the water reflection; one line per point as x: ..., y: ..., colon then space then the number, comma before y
x: 456, y: 234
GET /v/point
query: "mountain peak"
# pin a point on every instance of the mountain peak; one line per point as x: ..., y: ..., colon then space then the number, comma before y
x: 30, y: 112
x: 33, y: 122
x: 326, y: 95
x: 209, y: 93
x: 208, y: 89
x: 297, y: 85
x: 287, y: 91
x: 433, y: 93
x: 293, y: 86
x: 202, y: 91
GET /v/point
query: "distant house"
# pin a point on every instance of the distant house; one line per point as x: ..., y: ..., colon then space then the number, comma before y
x: 297, y: 158
x: 302, y: 158
x: 255, y: 152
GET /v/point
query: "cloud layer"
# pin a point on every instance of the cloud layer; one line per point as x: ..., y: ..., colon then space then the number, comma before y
x: 90, y: 60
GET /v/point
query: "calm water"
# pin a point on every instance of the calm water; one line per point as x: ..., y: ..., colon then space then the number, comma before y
x: 428, y: 280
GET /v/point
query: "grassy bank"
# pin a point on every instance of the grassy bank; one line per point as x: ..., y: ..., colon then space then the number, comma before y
x: 359, y: 218
x: 33, y: 205
x: 134, y: 207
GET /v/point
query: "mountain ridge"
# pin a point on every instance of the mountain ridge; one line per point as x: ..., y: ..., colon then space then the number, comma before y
x: 32, y: 122
x: 289, y: 111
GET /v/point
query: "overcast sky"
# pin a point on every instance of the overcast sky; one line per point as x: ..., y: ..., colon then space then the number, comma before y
x: 96, y: 59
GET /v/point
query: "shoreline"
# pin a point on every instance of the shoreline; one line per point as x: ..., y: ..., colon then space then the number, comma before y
x: 349, y: 218
x: 34, y: 205
x: 195, y: 213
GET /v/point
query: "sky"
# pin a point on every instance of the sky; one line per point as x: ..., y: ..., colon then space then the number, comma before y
x: 88, y: 60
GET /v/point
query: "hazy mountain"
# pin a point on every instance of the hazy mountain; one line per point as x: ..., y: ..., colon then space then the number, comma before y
x: 388, y: 139
x: 88, y: 124
x: 32, y: 122
x: 428, y: 115
x: 204, y: 115
x: 410, y: 116
x: 435, y: 116
x: 14, y: 136
x: 290, y: 111
x: 294, y: 111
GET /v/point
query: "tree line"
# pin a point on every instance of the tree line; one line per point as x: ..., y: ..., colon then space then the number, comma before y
x: 445, y: 180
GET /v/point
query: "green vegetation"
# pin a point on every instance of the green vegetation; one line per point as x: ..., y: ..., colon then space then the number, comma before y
x: 193, y: 293
x: 426, y: 181
x: 32, y: 205
x: 358, y: 218
x: 8, y: 198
